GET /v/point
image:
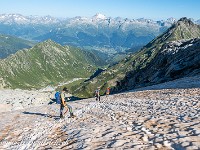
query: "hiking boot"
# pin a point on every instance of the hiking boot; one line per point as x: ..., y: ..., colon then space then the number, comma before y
x: 72, y: 115
x: 61, y: 116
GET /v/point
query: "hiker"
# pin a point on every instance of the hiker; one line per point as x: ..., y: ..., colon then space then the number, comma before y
x: 107, y: 91
x: 97, y: 94
x: 63, y: 103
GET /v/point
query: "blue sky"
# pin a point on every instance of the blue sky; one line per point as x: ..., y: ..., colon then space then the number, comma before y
x: 152, y: 9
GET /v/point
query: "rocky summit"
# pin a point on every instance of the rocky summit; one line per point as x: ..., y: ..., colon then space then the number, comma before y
x: 150, y: 118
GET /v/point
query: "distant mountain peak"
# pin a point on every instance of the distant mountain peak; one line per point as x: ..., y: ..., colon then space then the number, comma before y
x: 48, y: 43
x: 99, y: 16
x: 184, y: 28
x: 185, y: 20
x: 171, y: 20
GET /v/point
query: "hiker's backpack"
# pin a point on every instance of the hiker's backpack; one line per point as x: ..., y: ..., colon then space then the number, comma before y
x: 96, y: 93
x: 107, y: 91
x: 57, y: 96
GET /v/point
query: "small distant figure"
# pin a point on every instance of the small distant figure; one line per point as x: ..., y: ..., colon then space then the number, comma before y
x: 97, y: 94
x: 107, y: 91
x: 63, y: 104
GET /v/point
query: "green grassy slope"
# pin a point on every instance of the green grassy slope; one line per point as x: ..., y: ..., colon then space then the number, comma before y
x: 10, y: 45
x: 46, y: 63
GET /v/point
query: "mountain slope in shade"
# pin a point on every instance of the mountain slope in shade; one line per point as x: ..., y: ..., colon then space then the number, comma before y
x: 135, y: 71
x: 10, y: 45
x: 44, y: 64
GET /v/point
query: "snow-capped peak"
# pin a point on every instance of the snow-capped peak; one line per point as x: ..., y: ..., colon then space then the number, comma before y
x: 20, y: 19
x: 99, y: 16
x: 171, y: 20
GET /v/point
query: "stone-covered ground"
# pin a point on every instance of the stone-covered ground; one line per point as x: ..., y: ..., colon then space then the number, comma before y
x: 145, y: 119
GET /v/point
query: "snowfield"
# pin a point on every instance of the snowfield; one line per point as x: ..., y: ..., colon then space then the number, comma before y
x: 164, y: 116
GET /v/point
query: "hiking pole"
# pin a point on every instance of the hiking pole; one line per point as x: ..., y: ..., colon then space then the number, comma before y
x: 66, y: 110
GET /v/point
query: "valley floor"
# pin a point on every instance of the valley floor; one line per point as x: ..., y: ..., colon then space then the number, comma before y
x: 145, y: 119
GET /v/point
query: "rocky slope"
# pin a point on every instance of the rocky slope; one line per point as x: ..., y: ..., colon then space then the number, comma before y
x: 47, y: 63
x: 172, y: 55
x: 20, y: 99
x: 147, y: 119
x: 175, y: 60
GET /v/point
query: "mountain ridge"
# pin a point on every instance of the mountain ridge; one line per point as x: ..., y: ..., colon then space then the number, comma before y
x: 19, y: 18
